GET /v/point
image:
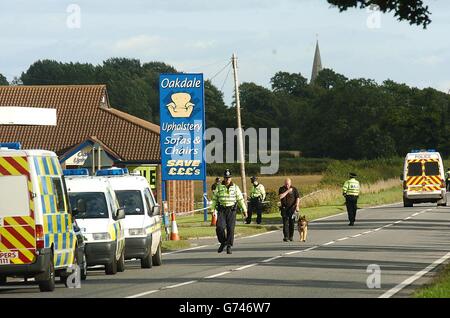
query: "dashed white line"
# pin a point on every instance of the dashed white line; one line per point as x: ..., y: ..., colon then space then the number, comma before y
x: 292, y: 253
x: 311, y: 248
x: 328, y: 243
x: 186, y: 249
x: 357, y: 235
x: 256, y: 235
x: 415, y: 277
x: 271, y: 259
x: 245, y: 267
x: 179, y: 285
x: 343, y: 238
x: 217, y: 275
x: 367, y: 232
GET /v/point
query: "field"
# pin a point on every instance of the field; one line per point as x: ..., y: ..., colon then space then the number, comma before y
x: 438, y: 288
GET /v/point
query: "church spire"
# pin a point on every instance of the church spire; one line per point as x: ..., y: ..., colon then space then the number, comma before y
x: 317, y: 64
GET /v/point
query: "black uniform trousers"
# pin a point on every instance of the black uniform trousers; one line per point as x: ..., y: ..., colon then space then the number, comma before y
x: 288, y: 222
x: 255, y: 204
x: 351, y: 202
x: 226, y: 221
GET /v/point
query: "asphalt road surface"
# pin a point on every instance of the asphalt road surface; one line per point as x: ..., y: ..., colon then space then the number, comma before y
x: 405, y: 244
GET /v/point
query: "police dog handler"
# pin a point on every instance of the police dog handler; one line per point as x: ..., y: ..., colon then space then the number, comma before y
x: 290, y: 203
x: 226, y: 200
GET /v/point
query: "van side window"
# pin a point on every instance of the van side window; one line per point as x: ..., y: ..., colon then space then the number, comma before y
x: 149, y: 201
x: 59, y: 194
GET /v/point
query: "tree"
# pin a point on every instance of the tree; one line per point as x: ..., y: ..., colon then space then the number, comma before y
x: 289, y: 83
x: 328, y: 79
x: 3, y: 81
x: 413, y: 11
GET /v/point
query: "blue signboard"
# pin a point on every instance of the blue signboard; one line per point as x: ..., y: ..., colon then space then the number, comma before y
x: 182, y: 124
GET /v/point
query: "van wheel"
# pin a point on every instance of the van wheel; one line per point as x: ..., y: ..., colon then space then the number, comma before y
x: 2, y: 280
x: 121, y: 262
x: 111, y: 268
x: 407, y: 203
x: 157, y: 258
x: 83, y: 268
x: 147, y: 261
x: 48, y: 285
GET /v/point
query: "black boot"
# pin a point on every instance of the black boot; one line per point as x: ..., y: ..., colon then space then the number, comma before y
x: 221, y: 247
x: 229, y: 250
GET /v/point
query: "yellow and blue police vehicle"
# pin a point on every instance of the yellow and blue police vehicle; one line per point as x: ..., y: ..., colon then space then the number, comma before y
x: 99, y: 218
x: 142, y: 218
x: 37, y: 238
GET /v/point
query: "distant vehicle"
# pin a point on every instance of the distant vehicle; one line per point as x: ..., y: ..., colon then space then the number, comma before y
x: 37, y: 238
x: 100, y: 219
x: 423, y: 178
x: 142, y: 220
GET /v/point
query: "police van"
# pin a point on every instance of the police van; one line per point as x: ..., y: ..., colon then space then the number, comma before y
x: 37, y: 238
x: 142, y: 220
x: 99, y: 218
x: 423, y: 178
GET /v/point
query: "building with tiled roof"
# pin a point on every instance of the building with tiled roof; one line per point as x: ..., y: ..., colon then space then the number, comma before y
x: 90, y: 133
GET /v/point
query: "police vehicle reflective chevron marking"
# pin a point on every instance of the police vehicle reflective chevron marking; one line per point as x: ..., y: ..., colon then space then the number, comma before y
x: 36, y: 232
x: 142, y: 220
x: 423, y: 178
x: 100, y: 219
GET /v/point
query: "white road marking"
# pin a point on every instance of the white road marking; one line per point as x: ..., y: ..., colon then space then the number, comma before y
x: 367, y: 232
x: 271, y: 259
x: 343, y: 239
x: 245, y: 267
x: 187, y: 249
x: 179, y: 285
x: 327, y: 217
x: 415, y: 277
x: 407, y: 218
x: 357, y: 235
x: 292, y: 253
x: 217, y: 275
x: 311, y: 248
x: 329, y: 243
x: 143, y: 294
x: 256, y: 235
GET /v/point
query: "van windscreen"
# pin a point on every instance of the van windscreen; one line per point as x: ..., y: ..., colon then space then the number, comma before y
x: 96, y: 207
x: 414, y: 169
x: 432, y: 168
x: 131, y: 201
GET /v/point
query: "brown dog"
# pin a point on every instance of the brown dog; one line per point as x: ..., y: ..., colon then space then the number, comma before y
x: 303, y: 228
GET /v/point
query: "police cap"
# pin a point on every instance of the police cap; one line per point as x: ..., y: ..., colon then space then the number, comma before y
x: 227, y: 174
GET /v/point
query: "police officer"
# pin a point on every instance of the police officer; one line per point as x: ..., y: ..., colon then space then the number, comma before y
x: 215, y: 184
x: 290, y: 203
x: 257, y: 196
x: 350, y: 191
x: 447, y: 179
x: 226, y: 199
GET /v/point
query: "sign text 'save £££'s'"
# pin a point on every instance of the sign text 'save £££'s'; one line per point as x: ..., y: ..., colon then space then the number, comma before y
x: 182, y: 122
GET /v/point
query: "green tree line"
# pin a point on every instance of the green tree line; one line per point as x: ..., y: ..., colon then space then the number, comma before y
x: 335, y: 117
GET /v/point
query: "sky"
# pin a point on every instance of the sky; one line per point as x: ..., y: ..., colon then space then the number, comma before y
x: 201, y: 35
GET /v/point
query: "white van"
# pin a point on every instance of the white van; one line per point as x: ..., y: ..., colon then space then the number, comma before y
x: 37, y: 238
x: 423, y: 178
x: 100, y: 219
x: 142, y: 220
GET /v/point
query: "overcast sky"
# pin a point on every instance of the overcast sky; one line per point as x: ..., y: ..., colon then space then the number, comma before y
x: 200, y: 36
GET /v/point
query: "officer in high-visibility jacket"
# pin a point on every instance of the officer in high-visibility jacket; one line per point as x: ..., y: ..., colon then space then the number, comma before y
x: 257, y: 196
x: 227, y: 199
x: 350, y: 191
x: 447, y: 179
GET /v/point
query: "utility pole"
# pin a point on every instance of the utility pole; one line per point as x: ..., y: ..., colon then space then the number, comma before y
x: 239, y: 127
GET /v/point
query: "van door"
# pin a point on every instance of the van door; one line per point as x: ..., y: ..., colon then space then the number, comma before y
x: 155, y: 220
x: 17, y: 224
x: 414, y: 175
x: 432, y: 176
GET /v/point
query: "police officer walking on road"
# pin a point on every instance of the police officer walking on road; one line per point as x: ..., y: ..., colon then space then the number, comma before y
x: 290, y: 202
x: 257, y: 196
x: 447, y: 179
x: 226, y: 199
x: 350, y: 191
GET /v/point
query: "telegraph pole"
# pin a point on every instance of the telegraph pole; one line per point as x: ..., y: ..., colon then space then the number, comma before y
x: 239, y: 126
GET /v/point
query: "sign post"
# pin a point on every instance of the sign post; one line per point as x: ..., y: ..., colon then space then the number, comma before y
x: 182, y: 126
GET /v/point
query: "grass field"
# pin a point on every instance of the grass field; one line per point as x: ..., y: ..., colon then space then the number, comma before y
x: 305, y: 183
x: 438, y: 288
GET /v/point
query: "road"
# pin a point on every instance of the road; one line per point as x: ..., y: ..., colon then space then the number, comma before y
x: 332, y: 263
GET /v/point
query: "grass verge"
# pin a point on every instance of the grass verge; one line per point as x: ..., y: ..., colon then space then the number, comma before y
x: 438, y: 288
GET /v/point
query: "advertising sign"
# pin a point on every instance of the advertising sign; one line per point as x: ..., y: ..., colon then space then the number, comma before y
x: 182, y: 123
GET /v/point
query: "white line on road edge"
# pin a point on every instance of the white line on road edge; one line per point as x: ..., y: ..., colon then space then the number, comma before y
x: 256, y: 235
x: 292, y: 253
x: 415, y: 277
x: 179, y: 285
x: 343, y: 239
x: 329, y: 243
x: 357, y: 235
x: 245, y: 267
x: 311, y: 248
x: 217, y: 275
x: 143, y: 294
